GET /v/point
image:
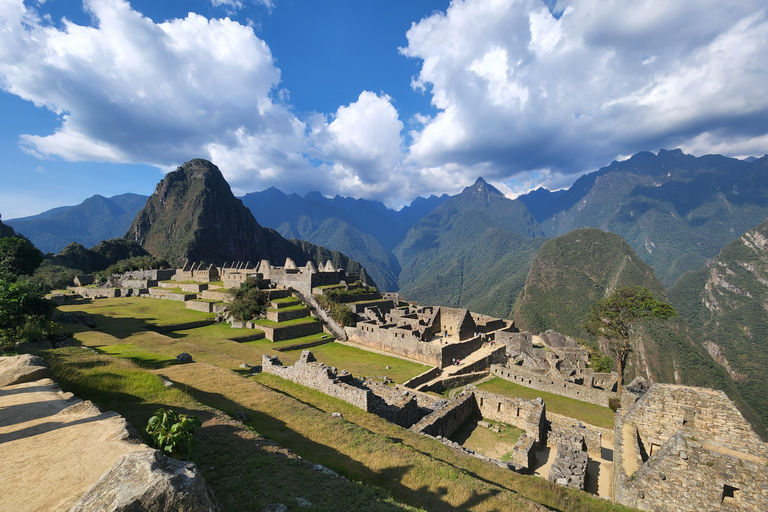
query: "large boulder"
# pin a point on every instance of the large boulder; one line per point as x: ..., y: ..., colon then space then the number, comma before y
x: 148, y: 481
x: 28, y: 347
x: 23, y: 368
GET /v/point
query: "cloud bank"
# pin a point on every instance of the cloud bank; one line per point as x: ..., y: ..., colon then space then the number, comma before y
x: 521, y: 96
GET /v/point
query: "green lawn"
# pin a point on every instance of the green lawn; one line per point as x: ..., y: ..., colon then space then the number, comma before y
x: 362, y: 363
x: 497, y: 445
x: 582, y: 411
x: 297, y: 307
x: 286, y: 300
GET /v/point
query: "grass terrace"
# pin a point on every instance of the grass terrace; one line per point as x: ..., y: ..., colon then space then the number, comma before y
x: 582, y: 411
x: 287, y: 323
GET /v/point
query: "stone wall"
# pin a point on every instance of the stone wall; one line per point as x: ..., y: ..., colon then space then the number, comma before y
x: 221, y: 295
x: 527, y: 415
x: 282, y: 315
x: 593, y: 436
x: 150, y: 275
x: 201, y: 305
x: 459, y: 350
x: 682, y: 448
x: 541, y: 382
x: 456, y: 322
x: 686, y: 475
x: 399, y: 341
x: 444, y: 421
x: 570, y: 465
x: 96, y: 293
x: 308, y: 372
x: 453, y: 381
x: 422, y: 378
x: 290, y: 332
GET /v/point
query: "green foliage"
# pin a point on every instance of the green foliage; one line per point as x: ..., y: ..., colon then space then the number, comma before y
x: 135, y: 263
x: 250, y: 302
x: 601, y: 363
x: 25, y: 313
x: 356, y: 288
x: 54, y: 277
x: 614, y: 403
x: 173, y: 433
x: 612, y: 318
x: 18, y: 257
x: 339, y: 312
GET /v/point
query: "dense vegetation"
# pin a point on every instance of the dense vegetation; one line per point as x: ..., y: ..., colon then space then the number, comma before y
x: 250, y: 301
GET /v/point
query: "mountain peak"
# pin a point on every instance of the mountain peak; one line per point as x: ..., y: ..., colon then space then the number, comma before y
x: 481, y: 190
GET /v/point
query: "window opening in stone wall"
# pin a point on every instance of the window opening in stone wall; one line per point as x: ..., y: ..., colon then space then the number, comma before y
x: 481, y: 402
x: 518, y: 411
x: 498, y: 407
x: 730, y: 494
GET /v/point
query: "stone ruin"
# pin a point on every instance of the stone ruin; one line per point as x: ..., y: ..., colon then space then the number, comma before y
x: 559, y: 368
x: 683, y: 449
x: 434, y: 335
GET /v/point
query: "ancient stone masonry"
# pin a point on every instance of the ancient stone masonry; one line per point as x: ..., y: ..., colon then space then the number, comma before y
x: 682, y: 448
x: 304, y: 279
x: 399, y: 405
x: 434, y: 335
x: 560, y: 369
x: 526, y: 415
x: 570, y: 465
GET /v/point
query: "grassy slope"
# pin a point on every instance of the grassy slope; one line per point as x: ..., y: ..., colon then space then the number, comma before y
x: 582, y: 411
x: 363, y: 447
x: 245, y: 471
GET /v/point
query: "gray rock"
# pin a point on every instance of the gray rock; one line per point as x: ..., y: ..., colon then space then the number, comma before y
x: 66, y: 342
x: 22, y: 368
x: 275, y: 507
x: 240, y: 415
x: 303, y: 503
x: 149, y: 481
x: 245, y: 366
x: 323, y: 469
x: 184, y: 358
x: 27, y: 347
x: 337, y: 415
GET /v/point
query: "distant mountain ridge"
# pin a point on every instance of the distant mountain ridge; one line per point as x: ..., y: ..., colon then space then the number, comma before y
x: 676, y: 210
x: 362, y: 229
x: 88, y: 223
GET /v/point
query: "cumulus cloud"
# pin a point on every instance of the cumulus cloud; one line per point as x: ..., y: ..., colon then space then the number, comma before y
x: 519, y: 89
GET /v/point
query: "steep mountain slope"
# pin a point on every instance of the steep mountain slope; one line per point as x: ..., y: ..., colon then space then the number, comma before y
x: 572, y: 272
x: 6, y: 231
x: 99, y: 257
x: 472, y: 251
x: 362, y: 229
x: 676, y: 210
x: 193, y: 216
x: 95, y: 219
x: 726, y: 304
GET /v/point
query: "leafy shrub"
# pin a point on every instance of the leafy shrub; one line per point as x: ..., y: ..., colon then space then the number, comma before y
x: 339, y: 312
x: 250, y: 302
x: 601, y: 363
x: 135, y: 263
x: 614, y: 404
x: 173, y: 433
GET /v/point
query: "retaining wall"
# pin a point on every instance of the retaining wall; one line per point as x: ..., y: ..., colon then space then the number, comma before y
x: 290, y: 332
x: 541, y: 382
x: 444, y: 421
x: 524, y: 414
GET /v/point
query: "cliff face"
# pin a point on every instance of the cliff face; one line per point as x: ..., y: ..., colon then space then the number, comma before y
x: 193, y: 216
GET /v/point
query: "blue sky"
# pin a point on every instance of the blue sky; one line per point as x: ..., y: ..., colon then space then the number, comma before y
x: 380, y: 99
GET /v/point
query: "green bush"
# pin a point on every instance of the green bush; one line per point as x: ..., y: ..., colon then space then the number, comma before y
x: 601, y: 363
x: 614, y: 404
x: 250, y: 302
x: 173, y: 433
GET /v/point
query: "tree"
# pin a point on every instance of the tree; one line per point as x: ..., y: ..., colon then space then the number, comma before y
x: 25, y: 313
x: 250, y: 302
x: 18, y: 257
x: 613, y: 317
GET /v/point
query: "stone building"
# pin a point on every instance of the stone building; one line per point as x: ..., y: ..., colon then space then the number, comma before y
x: 681, y: 449
x: 433, y: 335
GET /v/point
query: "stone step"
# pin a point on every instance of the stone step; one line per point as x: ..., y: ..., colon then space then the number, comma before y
x: 283, y: 315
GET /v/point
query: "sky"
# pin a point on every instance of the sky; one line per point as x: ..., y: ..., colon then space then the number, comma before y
x: 381, y: 99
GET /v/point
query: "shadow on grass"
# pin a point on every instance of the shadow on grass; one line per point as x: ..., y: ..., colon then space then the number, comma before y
x: 389, y: 478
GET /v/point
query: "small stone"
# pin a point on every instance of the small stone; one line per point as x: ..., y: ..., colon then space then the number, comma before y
x: 245, y: 366
x: 240, y: 415
x: 303, y: 503
x: 323, y: 469
x: 389, y: 367
x: 336, y: 415
x: 684, y: 455
x: 184, y: 358
x: 561, y: 481
x: 275, y: 507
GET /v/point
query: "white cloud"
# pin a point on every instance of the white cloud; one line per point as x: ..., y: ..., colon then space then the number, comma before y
x: 519, y: 90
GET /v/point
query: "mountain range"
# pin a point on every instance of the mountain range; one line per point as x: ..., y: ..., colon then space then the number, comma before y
x: 662, y: 220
